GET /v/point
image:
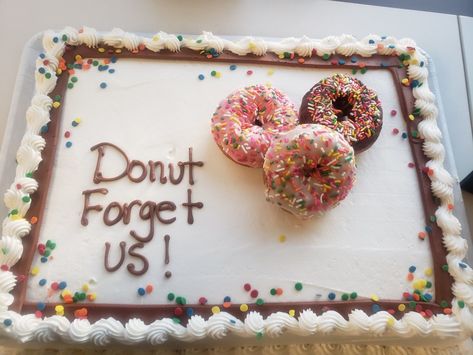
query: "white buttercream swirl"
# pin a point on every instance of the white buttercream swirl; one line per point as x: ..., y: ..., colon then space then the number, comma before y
x: 158, y: 333
x: 44, y: 334
x: 7, y: 281
x: 48, y: 62
x: 429, y: 130
x: 18, y: 228
x: 426, y: 108
x: 463, y: 292
x: 41, y: 101
x: 455, y: 245
x: 327, y: 45
x: 48, y: 40
x: 379, y: 322
x: 278, y: 322
x: 131, y: 41
x: 114, y: 38
x: 459, y: 269
x: 307, y: 322
x: 423, y: 92
x: 254, y: 323
x: 360, y: 322
x: 11, y: 249
x: 36, y: 117
x: 13, y: 200
x: 136, y: 330
x: 416, y: 72
x: 443, y: 325
x: 6, y: 299
x: 222, y: 323
x: 26, y: 184
x: 45, y: 85
x: 331, y: 321
x: 162, y: 40
x: 347, y: 46
x: 104, y: 331
x: 212, y: 42
x: 89, y: 37
x: 160, y: 330
x: 28, y: 160
x: 447, y: 221
x: 24, y: 326
x: 417, y: 324
x: 433, y: 149
x: 79, y: 331
x: 197, y: 327
x: 305, y: 47
x: 464, y: 315
x: 72, y: 36
x: 247, y: 45
x: 58, y: 325
x: 33, y: 141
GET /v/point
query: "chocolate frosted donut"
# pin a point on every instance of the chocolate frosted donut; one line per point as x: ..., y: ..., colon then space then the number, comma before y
x: 245, y: 122
x: 346, y: 105
x: 308, y: 170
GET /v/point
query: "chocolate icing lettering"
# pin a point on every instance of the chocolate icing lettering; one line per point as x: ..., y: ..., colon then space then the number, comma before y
x: 84, y: 220
x: 136, y: 171
x: 167, y: 238
x: 131, y: 267
x: 191, y: 165
x: 190, y: 205
x: 130, y: 168
x: 106, y: 214
x: 120, y: 261
x: 98, y: 176
x: 152, y: 171
x: 181, y: 173
x: 165, y: 206
x: 146, y: 213
x: 152, y: 166
x: 127, y: 210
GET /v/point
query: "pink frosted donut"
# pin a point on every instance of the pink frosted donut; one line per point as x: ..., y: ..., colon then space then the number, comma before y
x: 245, y: 122
x: 308, y: 170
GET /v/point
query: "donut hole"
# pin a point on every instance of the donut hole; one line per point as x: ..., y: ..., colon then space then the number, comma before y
x: 342, y: 108
x: 309, y: 171
x: 258, y: 123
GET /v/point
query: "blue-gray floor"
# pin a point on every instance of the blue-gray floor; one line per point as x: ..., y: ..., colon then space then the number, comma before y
x: 454, y: 7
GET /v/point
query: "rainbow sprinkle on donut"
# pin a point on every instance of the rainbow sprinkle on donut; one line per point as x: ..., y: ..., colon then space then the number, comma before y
x: 245, y: 122
x: 346, y: 105
x: 309, y: 170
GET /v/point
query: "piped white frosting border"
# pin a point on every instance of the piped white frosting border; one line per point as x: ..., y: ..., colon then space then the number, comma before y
x: 26, y: 328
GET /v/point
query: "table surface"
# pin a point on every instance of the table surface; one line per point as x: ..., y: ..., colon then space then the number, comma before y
x: 438, y: 34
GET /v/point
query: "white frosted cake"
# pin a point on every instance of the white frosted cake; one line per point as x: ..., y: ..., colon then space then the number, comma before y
x: 127, y: 223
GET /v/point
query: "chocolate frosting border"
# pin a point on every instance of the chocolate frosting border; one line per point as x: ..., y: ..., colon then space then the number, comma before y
x: 443, y: 280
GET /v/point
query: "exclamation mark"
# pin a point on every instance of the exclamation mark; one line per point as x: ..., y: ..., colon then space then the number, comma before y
x: 167, y: 238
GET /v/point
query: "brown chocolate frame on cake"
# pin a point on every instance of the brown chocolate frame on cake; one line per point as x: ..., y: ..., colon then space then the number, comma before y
x: 408, y: 67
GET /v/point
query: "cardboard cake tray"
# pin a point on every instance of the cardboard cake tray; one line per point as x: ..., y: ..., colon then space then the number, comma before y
x: 24, y: 90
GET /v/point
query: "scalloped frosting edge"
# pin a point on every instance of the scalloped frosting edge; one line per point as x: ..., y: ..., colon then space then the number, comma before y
x: 25, y: 328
